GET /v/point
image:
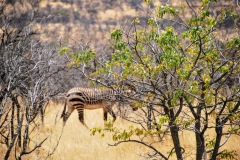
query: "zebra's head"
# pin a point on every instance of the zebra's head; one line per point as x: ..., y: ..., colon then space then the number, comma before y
x: 130, y: 93
x: 125, y: 97
x: 132, y: 104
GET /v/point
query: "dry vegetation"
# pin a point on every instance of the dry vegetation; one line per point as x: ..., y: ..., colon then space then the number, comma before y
x: 76, y: 141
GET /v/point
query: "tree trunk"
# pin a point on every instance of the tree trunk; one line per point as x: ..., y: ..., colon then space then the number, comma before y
x: 25, y: 140
x: 18, y: 121
x: 12, y: 121
x: 149, y: 117
x: 174, y: 133
x: 1, y: 99
x: 219, y: 133
x: 41, y: 106
x: 14, y: 138
x: 15, y: 101
x: 42, y: 115
x: 199, y: 139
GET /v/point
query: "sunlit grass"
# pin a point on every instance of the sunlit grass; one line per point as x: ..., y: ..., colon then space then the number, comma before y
x: 76, y: 141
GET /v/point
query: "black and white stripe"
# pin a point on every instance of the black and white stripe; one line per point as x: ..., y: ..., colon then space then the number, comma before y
x: 91, y: 98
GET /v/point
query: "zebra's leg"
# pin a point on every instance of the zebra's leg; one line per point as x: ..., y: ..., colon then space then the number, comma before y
x: 105, y: 115
x: 66, y: 115
x: 64, y: 108
x: 105, y: 112
x: 80, y: 109
x: 110, y: 111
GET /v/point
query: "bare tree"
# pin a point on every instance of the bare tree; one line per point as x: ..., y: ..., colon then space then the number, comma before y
x: 28, y: 70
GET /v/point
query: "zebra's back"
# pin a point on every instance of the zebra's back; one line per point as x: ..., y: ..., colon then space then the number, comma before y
x: 92, y: 94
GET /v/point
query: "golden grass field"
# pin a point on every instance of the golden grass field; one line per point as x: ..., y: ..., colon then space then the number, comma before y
x: 76, y: 141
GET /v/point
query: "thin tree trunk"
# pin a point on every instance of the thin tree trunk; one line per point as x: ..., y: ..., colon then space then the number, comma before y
x: 18, y: 121
x: 12, y: 121
x: 218, y: 139
x: 41, y: 106
x: 1, y: 99
x: 14, y: 138
x: 25, y: 140
x: 14, y: 99
x: 198, y: 134
x: 174, y: 133
x: 199, y: 141
x: 42, y: 115
x: 149, y: 117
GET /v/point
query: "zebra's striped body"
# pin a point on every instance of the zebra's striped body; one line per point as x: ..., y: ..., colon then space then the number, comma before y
x: 90, y: 98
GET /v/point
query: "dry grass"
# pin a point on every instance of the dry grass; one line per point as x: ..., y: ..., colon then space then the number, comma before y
x: 77, y: 142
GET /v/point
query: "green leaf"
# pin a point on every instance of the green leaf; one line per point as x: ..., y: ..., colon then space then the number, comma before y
x: 225, y: 154
x: 116, y: 35
x: 162, y: 10
x: 63, y: 50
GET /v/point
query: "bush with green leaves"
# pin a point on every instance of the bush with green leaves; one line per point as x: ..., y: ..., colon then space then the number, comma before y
x: 186, y: 74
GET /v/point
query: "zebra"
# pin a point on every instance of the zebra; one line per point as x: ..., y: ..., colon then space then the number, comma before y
x: 81, y: 98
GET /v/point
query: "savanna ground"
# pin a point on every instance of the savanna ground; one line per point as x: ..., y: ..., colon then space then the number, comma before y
x: 77, y: 142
